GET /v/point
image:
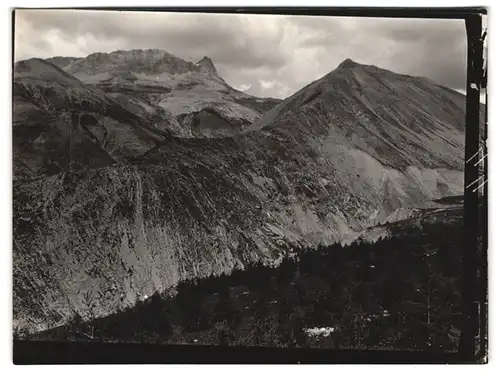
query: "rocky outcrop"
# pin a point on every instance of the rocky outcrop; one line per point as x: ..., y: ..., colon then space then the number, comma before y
x: 151, y: 61
x: 207, y: 65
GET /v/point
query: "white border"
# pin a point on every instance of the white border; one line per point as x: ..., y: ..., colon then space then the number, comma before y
x: 250, y: 371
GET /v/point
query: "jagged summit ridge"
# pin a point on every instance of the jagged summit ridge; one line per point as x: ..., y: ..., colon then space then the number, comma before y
x: 147, y: 61
x: 142, y: 61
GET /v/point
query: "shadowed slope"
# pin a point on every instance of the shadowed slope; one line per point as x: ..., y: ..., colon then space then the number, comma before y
x: 59, y: 123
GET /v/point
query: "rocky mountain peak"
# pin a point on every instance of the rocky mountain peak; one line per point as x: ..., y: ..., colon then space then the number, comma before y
x: 207, y: 64
x: 348, y: 63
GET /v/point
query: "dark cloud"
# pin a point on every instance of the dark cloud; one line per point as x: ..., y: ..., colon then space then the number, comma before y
x: 270, y: 55
x: 430, y: 48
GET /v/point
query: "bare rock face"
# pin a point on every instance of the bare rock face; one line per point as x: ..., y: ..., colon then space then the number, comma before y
x: 319, y: 167
x: 150, y: 61
x: 207, y: 65
x: 168, y: 86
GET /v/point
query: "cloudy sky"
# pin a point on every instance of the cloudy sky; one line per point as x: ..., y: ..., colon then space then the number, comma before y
x: 262, y: 55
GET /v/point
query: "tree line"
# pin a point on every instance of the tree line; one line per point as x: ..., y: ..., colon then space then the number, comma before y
x: 400, y: 292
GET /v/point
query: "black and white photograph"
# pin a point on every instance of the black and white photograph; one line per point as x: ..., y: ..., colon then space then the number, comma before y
x: 284, y: 181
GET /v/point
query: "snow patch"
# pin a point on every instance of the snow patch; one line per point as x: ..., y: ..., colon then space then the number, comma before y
x: 319, y: 332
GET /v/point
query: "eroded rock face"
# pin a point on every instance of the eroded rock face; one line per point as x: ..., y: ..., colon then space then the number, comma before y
x: 165, y: 86
x: 312, y: 170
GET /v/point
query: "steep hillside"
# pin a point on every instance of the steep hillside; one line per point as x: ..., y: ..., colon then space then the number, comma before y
x: 399, y: 120
x: 59, y: 123
x: 320, y: 167
x: 403, y: 292
x: 203, y: 103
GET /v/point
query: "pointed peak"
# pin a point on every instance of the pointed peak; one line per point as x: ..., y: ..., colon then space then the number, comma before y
x: 207, y: 63
x: 349, y: 63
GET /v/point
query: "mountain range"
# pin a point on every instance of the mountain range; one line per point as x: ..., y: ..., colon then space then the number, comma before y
x: 136, y: 169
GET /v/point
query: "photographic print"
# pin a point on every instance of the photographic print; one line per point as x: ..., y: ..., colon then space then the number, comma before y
x: 247, y: 180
